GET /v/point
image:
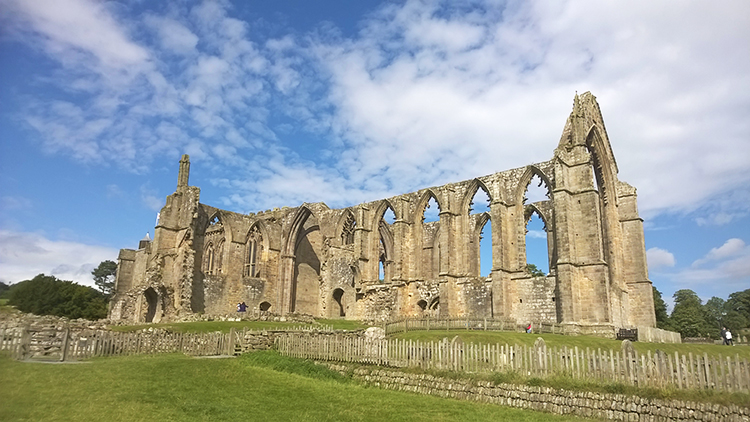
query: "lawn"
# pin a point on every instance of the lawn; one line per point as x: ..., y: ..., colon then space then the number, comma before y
x: 256, y: 386
x: 558, y: 340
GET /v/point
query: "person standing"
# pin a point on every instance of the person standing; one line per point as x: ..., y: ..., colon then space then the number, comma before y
x: 723, y: 335
x: 729, y: 340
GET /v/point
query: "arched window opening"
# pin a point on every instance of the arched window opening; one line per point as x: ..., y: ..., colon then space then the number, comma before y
x: 422, y: 305
x: 347, y: 231
x: 208, y: 259
x: 381, y: 261
x: 598, y: 178
x: 485, y: 249
x: 537, y: 251
x: 254, y: 250
x: 389, y: 216
x: 536, y: 191
x: 480, y: 202
x: 385, y: 244
x: 151, y: 301
x: 264, y: 307
x: 431, y: 212
x: 337, y: 294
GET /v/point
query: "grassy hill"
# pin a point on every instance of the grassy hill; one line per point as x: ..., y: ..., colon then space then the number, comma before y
x: 256, y: 386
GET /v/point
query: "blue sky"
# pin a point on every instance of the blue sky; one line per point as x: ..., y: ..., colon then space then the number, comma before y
x: 284, y: 102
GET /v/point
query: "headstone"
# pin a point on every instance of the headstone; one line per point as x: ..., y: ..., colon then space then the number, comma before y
x: 627, y: 347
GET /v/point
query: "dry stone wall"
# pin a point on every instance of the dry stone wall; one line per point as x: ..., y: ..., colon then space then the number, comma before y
x: 563, y: 402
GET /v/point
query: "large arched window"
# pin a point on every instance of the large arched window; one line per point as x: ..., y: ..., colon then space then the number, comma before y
x: 209, y: 257
x: 347, y: 230
x: 253, y: 253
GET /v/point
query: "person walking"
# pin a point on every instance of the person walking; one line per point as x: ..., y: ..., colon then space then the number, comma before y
x: 723, y: 335
x: 729, y: 340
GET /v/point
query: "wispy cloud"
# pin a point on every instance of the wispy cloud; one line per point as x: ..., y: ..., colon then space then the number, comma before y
x: 728, y: 264
x: 24, y: 255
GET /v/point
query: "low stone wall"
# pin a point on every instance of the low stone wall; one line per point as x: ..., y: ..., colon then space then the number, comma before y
x: 563, y: 402
x: 657, y: 335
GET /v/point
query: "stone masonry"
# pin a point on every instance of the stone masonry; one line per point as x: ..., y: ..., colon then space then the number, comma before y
x: 352, y: 263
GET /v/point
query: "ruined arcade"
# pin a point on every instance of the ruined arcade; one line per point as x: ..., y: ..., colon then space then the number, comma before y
x: 353, y: 263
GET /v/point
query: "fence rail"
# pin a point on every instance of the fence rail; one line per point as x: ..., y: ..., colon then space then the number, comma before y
x: 74, y: 346
x: 631, y: 368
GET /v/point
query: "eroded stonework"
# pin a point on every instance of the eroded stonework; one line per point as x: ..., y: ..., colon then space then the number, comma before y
x: 352, y: 263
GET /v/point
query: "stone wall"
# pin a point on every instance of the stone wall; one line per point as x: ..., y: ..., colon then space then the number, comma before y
x: 563, y: 402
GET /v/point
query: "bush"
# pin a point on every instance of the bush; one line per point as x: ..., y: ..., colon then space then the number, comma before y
x: 46, y: 295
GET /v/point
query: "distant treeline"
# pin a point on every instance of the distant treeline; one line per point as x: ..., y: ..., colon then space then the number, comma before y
x: 47, y: 295
x: 692, y: 318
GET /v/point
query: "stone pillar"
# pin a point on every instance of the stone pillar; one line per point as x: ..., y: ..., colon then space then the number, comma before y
x: 184, y: 174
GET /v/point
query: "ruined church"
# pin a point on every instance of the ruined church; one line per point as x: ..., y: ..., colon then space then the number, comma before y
x: 353, y: 263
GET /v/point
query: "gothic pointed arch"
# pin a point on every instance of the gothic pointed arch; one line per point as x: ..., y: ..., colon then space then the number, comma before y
x: 525, y: 180
x: 381, y: 209
x: 346, y: 226
x: 302, y: 264
x: 256, y: 247
x: 471, y: 190
x: 422, y: 204
x: 604, y: 165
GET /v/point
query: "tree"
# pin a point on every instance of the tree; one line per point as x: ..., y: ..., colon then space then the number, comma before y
x: 534, y: 271
x: 104, y: 276
x: 689, y: 317
x: 3, y: 288
x: 662, y: 317
x: 740, y: 303
x: 47, y: 295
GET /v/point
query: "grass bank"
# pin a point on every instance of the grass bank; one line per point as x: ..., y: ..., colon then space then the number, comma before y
x: 558, y: 340
x: 259, y: 386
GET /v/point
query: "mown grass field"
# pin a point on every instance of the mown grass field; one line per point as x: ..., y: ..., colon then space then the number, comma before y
x: 257, y: 386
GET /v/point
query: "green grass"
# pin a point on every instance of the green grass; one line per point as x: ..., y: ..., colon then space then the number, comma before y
x: 262, y: 386
x: 225, y: 326
x: 558, y: 340
x: 3, y: 302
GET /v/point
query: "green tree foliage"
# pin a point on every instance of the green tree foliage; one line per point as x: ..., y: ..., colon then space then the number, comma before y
x: 534, y: 271
x: 3, y: 288
x: 104, y: 276
x: 46, y: 295
x: 689, y: 317
x: 662, y: 317
x: 739, y: 302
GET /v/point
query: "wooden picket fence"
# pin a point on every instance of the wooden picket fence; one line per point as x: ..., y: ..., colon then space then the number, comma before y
x: 74, y: 346
x: 630, y: 368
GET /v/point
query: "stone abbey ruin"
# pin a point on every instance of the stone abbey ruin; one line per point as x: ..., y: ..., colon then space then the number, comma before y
x: 353, y: 263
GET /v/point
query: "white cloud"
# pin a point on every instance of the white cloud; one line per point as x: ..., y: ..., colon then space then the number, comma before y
x: 659, y: 258
x: 426, y: 93
x: 731, y: 248
x: 174, y: 37
x: 24, y: 255
x: 728, y: 264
